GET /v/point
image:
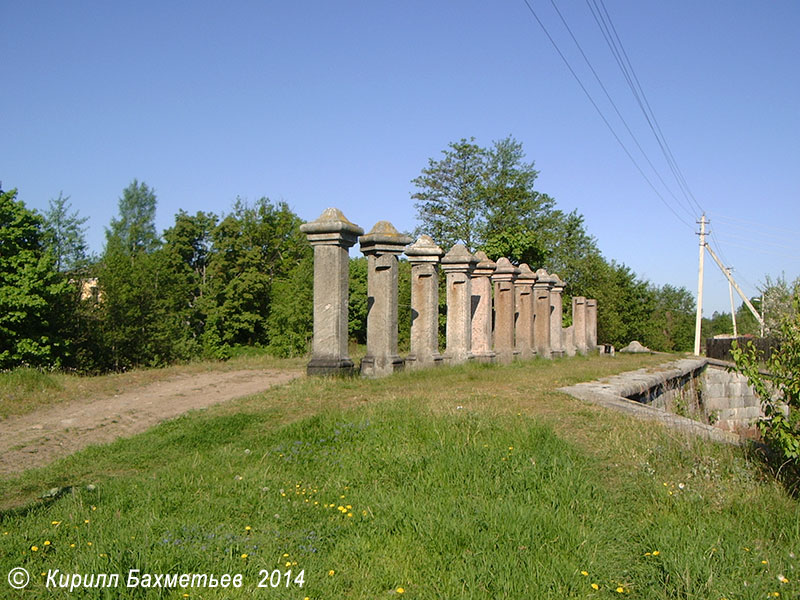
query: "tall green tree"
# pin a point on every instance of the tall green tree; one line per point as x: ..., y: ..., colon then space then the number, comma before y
x: 33, y: 295
x: 135, y: 225
x: 65, y: 233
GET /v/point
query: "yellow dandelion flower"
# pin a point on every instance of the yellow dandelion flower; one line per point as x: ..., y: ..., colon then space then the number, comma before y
x: 288, y: 563
x: 94, y: 508
x: 656, y: 552
x: 363, y: 512
x: 331, y: 573
x: 782, y: 579
x: 86, y: 521
x: 244, y: 555
x: 72, y: 545
x: 763, y: 562
x: 585, y: 573
x: 401, y: 590
x: 348, y: 507
x: 88, y: 543
x: 595, y: 586
x: 35, y: 548
x: 776, y: 594
x: 620, y: 589
x: 648, y: 554
x: 511, y: 447
x: 47, y: 542
x: 349, y: 514
x: 285, y: 555
x: 247, y: 528
x: 55, y: 523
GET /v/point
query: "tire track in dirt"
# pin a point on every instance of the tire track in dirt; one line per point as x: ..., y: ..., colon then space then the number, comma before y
x: 36, y: 439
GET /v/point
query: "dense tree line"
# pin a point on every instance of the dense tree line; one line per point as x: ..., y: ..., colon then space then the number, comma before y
x: 206, y: 285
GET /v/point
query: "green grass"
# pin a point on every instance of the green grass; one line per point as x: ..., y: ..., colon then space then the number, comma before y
x: 471, y: 482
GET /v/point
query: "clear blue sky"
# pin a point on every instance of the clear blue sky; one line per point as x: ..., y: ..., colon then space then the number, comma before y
x: 341, y: 104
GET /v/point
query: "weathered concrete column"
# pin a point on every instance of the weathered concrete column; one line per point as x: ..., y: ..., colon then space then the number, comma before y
x: 481, y: 285
x: 579, y: 323
x: 424, y: 256
x: 556, y: 312
x: 503, y: 280
x: 331, y: 235
x: 541, y: 313
x: 458, y: 265
x: 523, y: 304
x: 591, y: 325
x: 569, y: 341
x: 381, y: 246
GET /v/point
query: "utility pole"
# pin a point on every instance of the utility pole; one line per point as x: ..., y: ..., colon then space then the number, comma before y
x: 698, y: 324
x: 733, y: 307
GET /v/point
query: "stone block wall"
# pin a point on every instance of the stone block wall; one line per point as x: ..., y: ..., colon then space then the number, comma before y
x: 520, y: 319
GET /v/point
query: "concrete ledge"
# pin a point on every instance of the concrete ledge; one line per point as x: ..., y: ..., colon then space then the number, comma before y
x: 612, y: 391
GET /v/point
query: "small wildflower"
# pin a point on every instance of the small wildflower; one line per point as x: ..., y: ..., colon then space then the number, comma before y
x: 349, y: 514
x: 34, y: 548
x: 288, y: 563
x: 285, y: 555
x: 94, y: 508
x: 620, y: 589
x: 238, y: 478
x: 585, y: 573
x: 782, y: 579
x: 86, y: 521
x: 331, y: 573
x: 248, y: 528
x: 401, y: 590
x: 244, y: 555
x: 88, y: 543
x: 656, y: 552
x: 648, y: 553
x: 72, y: 545
x: 56, y: 523
x: 763, y: 562
x: 595, y: 586
x: 247, y: 451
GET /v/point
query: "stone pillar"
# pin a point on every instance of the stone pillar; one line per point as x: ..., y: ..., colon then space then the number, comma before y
x: 591, y: 325
x: 331, y: 235
x: 503, y: 280
x: 556, y: 312
x: 481, y: 285
x: 381, y: 246
x: 523, y: 304
x: 569, y: 341
x: 541, y: 313
x: 458, y: 265
x: 424, y: 256
x: 579, y: 323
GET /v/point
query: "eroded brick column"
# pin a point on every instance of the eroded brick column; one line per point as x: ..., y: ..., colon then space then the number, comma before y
x: 424, y: 256
x: 523, y: 305
x: 541, y: 312
x: 481, y: 285
x: 579, y: 324
x: 331, y: 235
x: 556, y: 312
x: 458, y: 265
x: 503, y: 280
x: 381, y: 246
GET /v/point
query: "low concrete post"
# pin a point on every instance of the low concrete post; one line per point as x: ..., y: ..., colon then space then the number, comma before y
x: 556, y: 313
x: 381, y: 246
x: 579, y: 323
x: 482, y: 308
x: 458, y: 265
x: 331, y: 235
x: 523, y: 303
x: 541, y: 313
x: 503, y: 280
x: 424, y: 256
x: 591, y: 325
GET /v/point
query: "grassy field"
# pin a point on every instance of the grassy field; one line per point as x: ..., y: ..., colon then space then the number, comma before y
x: 471, y: 482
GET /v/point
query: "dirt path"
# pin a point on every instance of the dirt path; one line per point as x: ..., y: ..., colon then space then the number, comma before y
x: 35, y: 439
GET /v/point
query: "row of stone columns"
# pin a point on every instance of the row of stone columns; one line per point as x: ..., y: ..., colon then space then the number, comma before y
x: 527, y: 305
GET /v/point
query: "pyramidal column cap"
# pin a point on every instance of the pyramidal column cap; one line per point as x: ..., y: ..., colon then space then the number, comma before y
x: 525, y: 272
x: 485, y: 266
x: 544, y: 278
x: 504, y: 269
x: 459, y: 255
x: 558, y: 283
x: 331, y: 221
x: 383, y: 237
x: 424, y: 248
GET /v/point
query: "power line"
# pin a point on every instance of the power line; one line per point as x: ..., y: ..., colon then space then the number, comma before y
x: 602, y: 116
x: 604, y: 21
x: 614, y: 105
x: 746, y: 224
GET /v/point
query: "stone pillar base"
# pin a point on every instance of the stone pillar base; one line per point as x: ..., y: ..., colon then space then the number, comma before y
x: 372, y: 366
x: 485, y: 357
x: 330, y: 366
x: 452, y: 360
x: 412, y: 362
x: 558, y: 354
